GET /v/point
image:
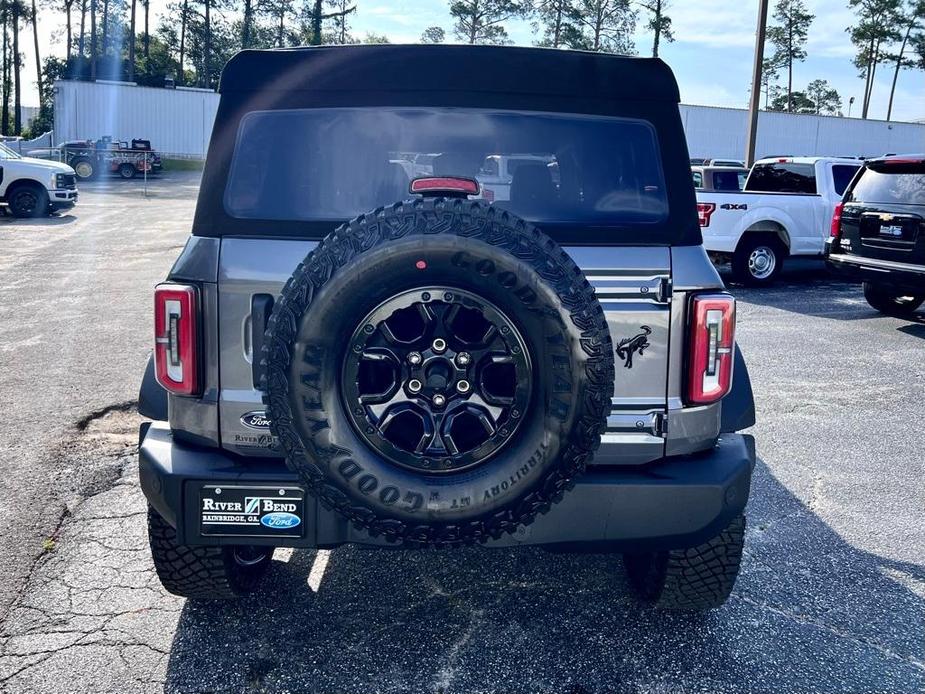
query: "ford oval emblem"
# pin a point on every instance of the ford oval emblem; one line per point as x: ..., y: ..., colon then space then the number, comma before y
x: 255, y: 420
x: 280, y: 520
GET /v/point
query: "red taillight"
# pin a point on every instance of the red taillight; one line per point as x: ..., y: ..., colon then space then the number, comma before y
x: 704, y: 210
x: 712, y: 347
x: 176, y: 338
x: 445, y: 185
x: 836, y: 220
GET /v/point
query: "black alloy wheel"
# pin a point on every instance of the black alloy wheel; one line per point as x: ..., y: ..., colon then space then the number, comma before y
x: 437, y: 379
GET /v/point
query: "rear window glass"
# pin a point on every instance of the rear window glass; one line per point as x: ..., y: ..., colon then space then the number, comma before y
x: 782, y: 178
x: 842, y: 175
x: 905, y: 185
x: 333, y: 164
x: 729, y: 180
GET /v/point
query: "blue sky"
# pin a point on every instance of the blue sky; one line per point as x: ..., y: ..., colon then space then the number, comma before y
x: 711, y: 56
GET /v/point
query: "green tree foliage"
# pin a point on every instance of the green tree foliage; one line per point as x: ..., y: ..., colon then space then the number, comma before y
x: 825, y: 98
x: 788, y: 37
x: 877, y: 27
x: 793, y: 102
x: 913, y: 17
x: 659, y: 23
x: 556, y: 21
x: 606, y: 25
x: 819, y: 98
x: 52, y: 69
x: 433, y: 35
x: 482, y: 21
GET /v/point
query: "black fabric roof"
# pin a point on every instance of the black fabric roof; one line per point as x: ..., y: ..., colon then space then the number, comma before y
x: 415, y: 68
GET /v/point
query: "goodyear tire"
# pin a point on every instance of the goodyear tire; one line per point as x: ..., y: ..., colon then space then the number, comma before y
x: 691, y: 580
x: 204, y: 572
x: 459, y: 275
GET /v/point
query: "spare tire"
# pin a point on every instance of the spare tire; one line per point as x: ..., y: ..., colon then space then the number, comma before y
x: 438, y: 371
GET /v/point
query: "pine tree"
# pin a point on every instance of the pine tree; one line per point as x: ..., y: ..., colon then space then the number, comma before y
x: 482, y: 21
x: 789, y: 37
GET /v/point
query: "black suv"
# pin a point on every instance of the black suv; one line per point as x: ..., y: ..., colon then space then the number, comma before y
x: 878, y: 233
x: 360, y: 345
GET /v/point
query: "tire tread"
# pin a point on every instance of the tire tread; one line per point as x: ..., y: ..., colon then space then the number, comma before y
x: 694, y: 579
x: 466, y: 219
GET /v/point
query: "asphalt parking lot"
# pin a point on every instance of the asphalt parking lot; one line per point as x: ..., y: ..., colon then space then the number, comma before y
x: 831, y: 597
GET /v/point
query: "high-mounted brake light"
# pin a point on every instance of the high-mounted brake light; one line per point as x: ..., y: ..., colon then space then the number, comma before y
x: 704, y: 210
x: 901, y: 161
x: 836, y: 220
x: 712, y: 347
x: 445, y: 185
x: 176, y: 338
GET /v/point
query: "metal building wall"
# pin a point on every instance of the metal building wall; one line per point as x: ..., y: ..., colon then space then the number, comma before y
x: 720, y: 132
x: 180, y: 122
x: 177, y: 121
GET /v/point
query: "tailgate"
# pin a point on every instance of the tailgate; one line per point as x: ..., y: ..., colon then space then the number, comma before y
x: 632, y: 284
x: 893, y: 232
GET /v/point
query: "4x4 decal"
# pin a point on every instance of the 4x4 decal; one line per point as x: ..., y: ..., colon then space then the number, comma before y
x: 628, y: 345
x: 734, y: 206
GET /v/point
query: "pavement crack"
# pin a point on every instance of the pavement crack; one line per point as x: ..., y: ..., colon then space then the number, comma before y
x: 447, y: 673
x: 85, y: 421
x: 838, y: 633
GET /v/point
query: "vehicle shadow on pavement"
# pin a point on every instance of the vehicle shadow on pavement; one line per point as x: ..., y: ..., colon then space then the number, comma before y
x: 52, y: 221
x: 810, y: 612
x: 916, y: 329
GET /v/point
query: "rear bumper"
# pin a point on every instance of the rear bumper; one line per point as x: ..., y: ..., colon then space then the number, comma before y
x: 674, y: 503
x: 902, y: 276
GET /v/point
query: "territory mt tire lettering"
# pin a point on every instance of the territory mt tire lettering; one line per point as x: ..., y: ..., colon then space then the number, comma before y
x: 438, y: 371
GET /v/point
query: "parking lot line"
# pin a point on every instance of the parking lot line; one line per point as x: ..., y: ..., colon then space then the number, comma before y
x: 318, y: 567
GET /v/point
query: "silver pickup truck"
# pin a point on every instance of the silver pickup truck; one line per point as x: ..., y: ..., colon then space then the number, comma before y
x: 353, y: 355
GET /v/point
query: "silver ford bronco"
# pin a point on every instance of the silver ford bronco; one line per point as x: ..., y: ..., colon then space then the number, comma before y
x: 374, y: 337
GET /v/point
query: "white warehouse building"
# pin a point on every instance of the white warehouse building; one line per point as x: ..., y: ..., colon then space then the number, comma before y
x: 179, y: 122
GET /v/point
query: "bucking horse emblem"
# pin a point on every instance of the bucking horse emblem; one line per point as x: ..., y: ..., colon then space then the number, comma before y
x: 630, y: 345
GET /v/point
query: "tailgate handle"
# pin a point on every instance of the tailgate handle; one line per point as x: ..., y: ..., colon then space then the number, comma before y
x: 261, y: 307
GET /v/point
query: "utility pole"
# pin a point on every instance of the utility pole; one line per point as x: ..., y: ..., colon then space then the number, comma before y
x: 755, y: 97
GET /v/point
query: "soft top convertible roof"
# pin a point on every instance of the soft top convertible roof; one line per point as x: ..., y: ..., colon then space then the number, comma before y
x: 493, y: 78
x: 481, y: 69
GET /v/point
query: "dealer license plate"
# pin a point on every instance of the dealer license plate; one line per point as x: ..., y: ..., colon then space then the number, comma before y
x: 251, y: 511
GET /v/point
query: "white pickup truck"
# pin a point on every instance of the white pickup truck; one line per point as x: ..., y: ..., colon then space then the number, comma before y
x: 35, y: 187
x: 785, y: 209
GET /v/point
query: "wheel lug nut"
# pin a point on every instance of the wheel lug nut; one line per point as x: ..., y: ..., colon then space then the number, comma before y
x: 439, y: 400
x: 439, y: 345
x: 414, y: 385
x: 463, y: 359
x: 463, y: 386
x: 414, y: 358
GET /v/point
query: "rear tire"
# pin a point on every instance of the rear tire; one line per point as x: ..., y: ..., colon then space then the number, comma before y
x: 127, y: 171
x: 84, y: 169
x: 696, y: 579
x: 758, y: 260
x: 28, y: 201
x: 890, y: 302
x: 204, y: 572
